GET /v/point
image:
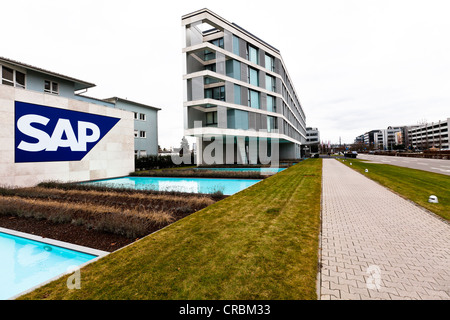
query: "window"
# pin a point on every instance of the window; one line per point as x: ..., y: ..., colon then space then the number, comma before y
x: 237, y: 94
x: 233, y: 69
x: 211, y: 118
x: 20, y: 79
x: 271, y: 104
x: 13, y: 78
x: 209, y: 55
x: 136, y: 116
x: 142, y: 117
x: 218, y: 42
x: 271, y: 123
x: 51, y: 87
x: 136, y: 153
x: 235, y: 45
x: 7, y: 76
x: 142, y: 134
x: 253, y: 99
x: 270, y: 63
x: 270, y: 83
x: 237, y: 119
x: 253, y: 76
x: 142, y: 153
x: 217, y: 93
x: 136, y: 133
x: 252, y: 54
x: 211, y: 67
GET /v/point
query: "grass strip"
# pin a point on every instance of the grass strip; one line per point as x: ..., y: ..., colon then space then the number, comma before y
x: 261, y: 243
x: 415, y: 185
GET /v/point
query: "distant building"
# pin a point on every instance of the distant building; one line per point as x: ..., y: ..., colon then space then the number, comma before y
x: 359, y: 139
x: 430, y: 135
x: 145, y: 125
x: 385, y: 139
x: 369, y: 140
x: 312, y: 135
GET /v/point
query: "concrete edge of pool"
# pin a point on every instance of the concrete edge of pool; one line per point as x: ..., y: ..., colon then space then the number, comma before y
x: 66, y: 245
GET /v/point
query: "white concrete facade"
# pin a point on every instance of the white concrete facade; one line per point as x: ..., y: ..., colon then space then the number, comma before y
x: 236, y: 85
x: 113, y: 156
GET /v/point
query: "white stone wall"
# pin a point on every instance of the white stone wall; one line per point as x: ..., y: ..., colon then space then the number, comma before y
x: 112, y: 157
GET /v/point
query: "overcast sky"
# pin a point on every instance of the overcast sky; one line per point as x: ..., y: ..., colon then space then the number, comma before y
x: 356, y: 65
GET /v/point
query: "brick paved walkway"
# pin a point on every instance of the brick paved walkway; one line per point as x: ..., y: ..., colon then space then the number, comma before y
x: 376, y: 245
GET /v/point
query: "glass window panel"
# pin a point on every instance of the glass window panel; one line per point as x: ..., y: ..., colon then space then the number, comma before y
x: 47, y: 86
x: 270, y: 83
x: 230, y: 68
x: 221, y: 93
x: 270, y: 63
x: 218, y: 42
x: 20, y: 79
x: 254, y: 99
x: 55, y: 87
x: 237, y: 94
x: 208, y: 94
x: 235, y: 45
x: 211, y: 67
x: 209, y: 55
x: 253, y: 77
x: 233, y: 69
x: 241, y: 120
x: 252, y: 54
x: 271, y: 123
x: 211, y: 118
x: 270, y: 103
x: 7, y: 74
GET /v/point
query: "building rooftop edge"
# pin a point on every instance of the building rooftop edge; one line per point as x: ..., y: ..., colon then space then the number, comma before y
x: 134, y: 102
x: 84, y: 84
x: 232, y: 24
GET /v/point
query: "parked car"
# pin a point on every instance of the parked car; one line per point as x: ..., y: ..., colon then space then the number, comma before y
x: 352, y: 154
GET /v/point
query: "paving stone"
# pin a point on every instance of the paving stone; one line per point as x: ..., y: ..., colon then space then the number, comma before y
x: 377, y: 245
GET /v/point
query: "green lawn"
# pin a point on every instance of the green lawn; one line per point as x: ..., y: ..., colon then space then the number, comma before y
x: 261, y: 243
x: 415, y: 185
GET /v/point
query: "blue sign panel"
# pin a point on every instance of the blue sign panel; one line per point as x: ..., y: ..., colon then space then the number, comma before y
x: 44, y: 134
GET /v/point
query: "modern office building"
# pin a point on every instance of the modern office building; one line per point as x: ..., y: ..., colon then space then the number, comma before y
x: 386, y: 139
x: 49, y: 131
x: 312, y: 135
x: 360, y: 139
x: 430, y: 135
x: 369, y: 138
x: 237, y: 87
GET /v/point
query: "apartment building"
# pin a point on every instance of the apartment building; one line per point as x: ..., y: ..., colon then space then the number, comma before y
x: 237, y: 87
x: 430, y: 135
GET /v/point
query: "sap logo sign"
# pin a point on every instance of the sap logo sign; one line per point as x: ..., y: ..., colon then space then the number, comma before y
x: 63, y: 127
x: 44, y: 134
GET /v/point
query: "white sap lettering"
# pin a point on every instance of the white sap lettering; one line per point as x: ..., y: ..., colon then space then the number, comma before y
x: 56, y: 141
x: 83, y: 137
x: 24, y: 125
x: 87, y: 132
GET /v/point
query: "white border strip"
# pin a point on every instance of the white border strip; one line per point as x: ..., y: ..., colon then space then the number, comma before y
x: 100, y: 254
x: 56, y: 243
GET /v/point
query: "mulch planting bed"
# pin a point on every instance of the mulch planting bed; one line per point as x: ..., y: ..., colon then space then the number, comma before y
x: 66, y: 232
